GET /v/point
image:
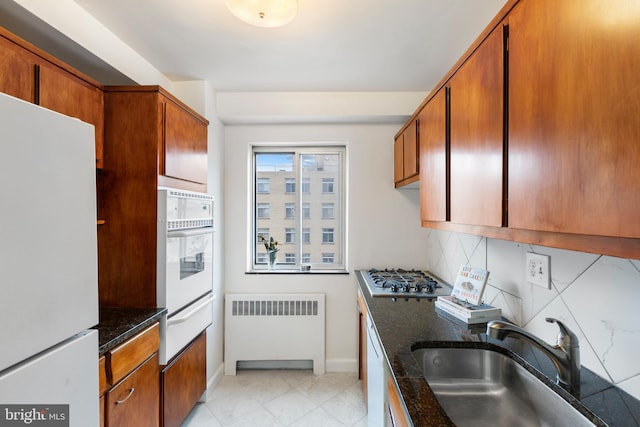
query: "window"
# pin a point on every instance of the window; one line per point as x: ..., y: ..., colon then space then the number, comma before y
x: 306, y: 185
x: 263, y: 185
x: 327, y: 235
x: 327, y: 210
x: 306, y: 210
x: 289, y: 210
x: 262, y: 232
x: 327, y: 185
x: 263, y: 210
x: 290, y: 235
x: 290, y: 185
x: 283, y: 210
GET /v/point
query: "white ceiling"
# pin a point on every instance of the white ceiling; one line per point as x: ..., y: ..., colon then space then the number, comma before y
x: 332, y: 45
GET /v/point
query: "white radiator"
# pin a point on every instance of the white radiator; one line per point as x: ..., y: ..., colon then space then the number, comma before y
x: 268, y: 327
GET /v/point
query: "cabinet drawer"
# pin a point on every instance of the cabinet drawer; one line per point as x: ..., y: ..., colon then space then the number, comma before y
x: 124, y: 358
x: 135, y: 401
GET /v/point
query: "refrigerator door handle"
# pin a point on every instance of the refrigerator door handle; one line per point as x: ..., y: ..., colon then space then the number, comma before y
x: 126, y: 398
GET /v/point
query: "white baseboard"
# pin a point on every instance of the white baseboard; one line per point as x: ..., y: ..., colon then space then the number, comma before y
x: 341, y: 365
x: 212, y: 381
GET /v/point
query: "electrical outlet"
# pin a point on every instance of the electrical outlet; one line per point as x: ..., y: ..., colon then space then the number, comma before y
x: 537, y: 271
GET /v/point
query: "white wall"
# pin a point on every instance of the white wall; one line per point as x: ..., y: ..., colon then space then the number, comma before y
x: 383, y: 228
x: 596, y: 296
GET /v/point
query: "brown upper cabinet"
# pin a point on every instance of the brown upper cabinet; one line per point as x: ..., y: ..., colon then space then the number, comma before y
x: 185, y: 143
x: 544, y: 118
x: 31, y: 74
x: 574, y: 122
x: 434, y: 158
x: 406, y: 159
x: 17, y: 70
x: 67, y: 94
x: 154, y: 124
x: 477, y: 135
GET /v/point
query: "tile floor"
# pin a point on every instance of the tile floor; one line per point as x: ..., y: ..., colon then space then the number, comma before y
x: 278, y: 398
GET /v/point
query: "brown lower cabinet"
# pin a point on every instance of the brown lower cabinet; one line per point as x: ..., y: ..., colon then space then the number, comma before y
x: 183, y: 381
x: 134, y: 401
x: 129, y: 378
x: 395, y: 410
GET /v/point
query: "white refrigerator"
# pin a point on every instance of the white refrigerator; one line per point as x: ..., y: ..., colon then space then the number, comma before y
x: 48, y: 268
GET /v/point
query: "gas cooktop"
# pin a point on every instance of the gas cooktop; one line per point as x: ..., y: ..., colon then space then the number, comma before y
x: 401, y: 283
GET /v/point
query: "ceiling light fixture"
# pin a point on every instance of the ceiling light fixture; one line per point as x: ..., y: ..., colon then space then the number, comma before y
x: 264, y: 13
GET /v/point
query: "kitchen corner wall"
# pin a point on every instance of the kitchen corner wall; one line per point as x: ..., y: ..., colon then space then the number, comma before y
x: 596, y: 296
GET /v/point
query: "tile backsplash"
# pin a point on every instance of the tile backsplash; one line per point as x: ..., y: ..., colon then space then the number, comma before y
x: 595, y: 295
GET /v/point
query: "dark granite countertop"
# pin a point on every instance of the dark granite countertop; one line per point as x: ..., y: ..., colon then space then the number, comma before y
x: 403, y: 325
x: 119, y: 324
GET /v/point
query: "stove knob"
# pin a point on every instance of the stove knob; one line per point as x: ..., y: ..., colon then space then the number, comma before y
x: 430, y: 288
x: 406, y: 288
x: 418, y: 287
x: 393, y: 288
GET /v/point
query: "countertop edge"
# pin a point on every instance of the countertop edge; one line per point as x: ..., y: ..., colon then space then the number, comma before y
x: 117, y: 325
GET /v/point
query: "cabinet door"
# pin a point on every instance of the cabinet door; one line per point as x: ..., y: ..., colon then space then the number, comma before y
x: 17, y: 75
x: 574, y: 118
x: 396, y: 414
x: 67, y: 94
x: 185, y: 145
x: 434, y: 159
x: 477, y: 141
x: 410, y: 150
x: 405, y: 155
x: 398, y: 158
x: 183, y: 382
x: 135, y: 401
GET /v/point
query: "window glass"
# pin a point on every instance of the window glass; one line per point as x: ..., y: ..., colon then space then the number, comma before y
x: 327, y: 210
x: 263, y: 210
x: 290, y: 185
x: 263, y: 185
x: 289, y: 210
x: 320, y: 200
x: 290, y: 235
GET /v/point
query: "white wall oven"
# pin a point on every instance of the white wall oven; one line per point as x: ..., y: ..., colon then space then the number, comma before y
x: 185, y: 267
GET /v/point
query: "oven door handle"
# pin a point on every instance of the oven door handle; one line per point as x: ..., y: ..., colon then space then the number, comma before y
x: 183, y: 317
x: 189, y: 233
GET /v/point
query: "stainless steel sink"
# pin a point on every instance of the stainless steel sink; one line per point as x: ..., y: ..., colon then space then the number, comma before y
x: 478, y: 387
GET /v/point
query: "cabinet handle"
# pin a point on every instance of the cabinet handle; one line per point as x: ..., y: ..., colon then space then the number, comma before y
x: 126, y: 398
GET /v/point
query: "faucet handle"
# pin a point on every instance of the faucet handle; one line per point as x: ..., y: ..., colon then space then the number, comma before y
x: 566, y: 337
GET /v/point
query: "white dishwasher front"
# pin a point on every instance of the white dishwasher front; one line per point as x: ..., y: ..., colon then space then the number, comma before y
x: 376, y: 381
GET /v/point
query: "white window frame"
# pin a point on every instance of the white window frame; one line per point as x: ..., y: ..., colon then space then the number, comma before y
x: 337, y: 186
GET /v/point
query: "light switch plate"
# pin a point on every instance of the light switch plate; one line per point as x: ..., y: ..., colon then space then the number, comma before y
x: 537, y: 271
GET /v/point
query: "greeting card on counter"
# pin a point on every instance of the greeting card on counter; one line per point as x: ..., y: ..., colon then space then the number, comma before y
x: 470, y: 284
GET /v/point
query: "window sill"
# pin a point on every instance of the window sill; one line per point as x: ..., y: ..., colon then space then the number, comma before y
x: 296, y: 272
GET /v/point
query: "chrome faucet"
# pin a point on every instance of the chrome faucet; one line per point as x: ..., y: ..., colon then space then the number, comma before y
x: 565, y: 355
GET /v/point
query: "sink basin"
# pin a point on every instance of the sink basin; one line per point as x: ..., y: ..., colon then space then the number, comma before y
x: 479, y: 387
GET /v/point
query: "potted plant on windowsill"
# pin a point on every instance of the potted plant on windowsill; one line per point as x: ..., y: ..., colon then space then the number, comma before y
x: 272, y: 249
